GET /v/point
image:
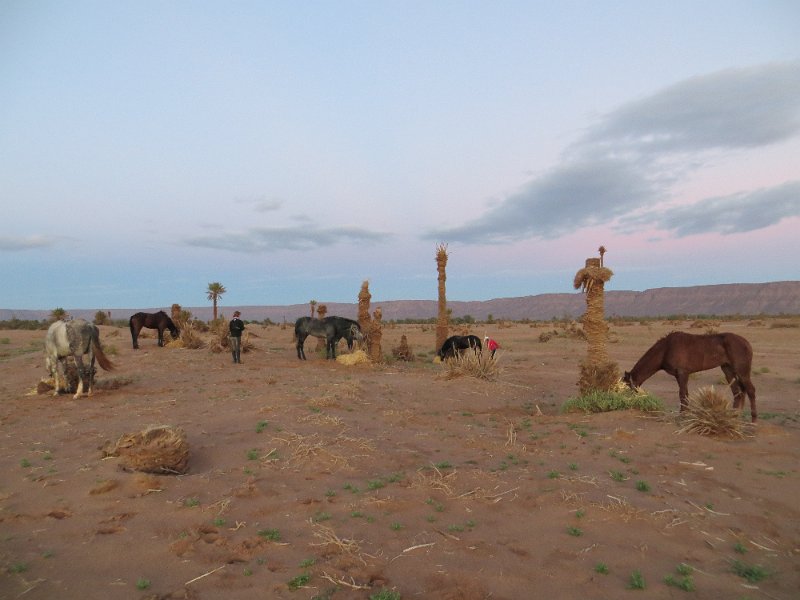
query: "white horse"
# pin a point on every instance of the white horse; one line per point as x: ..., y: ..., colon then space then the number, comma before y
x: 74, y: 338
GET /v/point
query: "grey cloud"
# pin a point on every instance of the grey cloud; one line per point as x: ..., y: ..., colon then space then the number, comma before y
x: 15, y: 244
x: 735, y: 108
x: 634, y: 155
x: 736, y: 213
x: 266, y: 240
x: 575, y: 195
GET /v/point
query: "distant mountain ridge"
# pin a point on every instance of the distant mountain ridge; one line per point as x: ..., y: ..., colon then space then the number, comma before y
x: 773, y: 298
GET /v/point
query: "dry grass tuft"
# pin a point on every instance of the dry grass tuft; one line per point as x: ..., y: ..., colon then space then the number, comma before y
x: 435, y: 480
x: 710, y: 413
x: 189, y: 338
x: 333, y: 544
x: 472, y: 364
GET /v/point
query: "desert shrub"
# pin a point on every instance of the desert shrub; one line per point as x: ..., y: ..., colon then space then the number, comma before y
x: 25, y: 324
x: 784, y: 325
x: 101, y: 317
x: 403, y: 351
x: 219, y: 337
x: 620, y: 398
x: 710, y: 413
x: 472, y: 364
x: 189, y: 338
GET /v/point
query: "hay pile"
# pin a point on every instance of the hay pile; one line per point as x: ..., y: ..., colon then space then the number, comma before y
x: 359, y: 357
x: 158, y: 449
x: 710, y: 413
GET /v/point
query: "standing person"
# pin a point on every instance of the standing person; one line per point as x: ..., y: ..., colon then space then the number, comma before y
x: 491, y: 345
x: 236, y: 326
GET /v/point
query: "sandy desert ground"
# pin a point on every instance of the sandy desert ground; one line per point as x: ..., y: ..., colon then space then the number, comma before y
x: 320, y: 480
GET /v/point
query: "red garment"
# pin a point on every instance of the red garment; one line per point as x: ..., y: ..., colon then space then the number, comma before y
x: 492, y: 345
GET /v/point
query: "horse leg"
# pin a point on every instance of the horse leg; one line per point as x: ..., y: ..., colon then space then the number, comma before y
x: 683, y: 388
x: 160, y: 337
x: 330, y: 347
x: 135, y: 336
x: 52, y: 365
x: 736, y: 388
x: 79, y: 365
x: 301, y: 353
x: 745, y: 382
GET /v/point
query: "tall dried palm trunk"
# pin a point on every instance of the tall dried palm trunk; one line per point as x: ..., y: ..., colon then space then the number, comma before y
x: 442, y: 322
x: 597, y: 371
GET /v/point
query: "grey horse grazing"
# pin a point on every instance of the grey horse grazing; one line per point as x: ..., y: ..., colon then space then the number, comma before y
x: 74, y: 338
x: 331, y: 329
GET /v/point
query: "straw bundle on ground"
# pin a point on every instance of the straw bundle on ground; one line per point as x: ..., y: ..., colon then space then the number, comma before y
x: 710, y: 413
x: 157, y: 449
x: 359, y: 357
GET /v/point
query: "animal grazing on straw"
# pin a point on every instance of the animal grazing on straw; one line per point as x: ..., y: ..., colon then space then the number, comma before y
x: 457, y: 344
x: 159, y: 320
x: 331, y: 329
x: 681, y: 354
x: 74, y: 338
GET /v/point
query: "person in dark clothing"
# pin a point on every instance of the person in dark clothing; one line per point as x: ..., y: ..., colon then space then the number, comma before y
x: 236, y: 326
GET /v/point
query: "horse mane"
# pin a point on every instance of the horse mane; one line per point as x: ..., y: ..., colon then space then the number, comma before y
x: 652, y: 351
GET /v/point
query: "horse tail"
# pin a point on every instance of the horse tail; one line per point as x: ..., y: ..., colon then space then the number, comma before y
x: 102, y: 359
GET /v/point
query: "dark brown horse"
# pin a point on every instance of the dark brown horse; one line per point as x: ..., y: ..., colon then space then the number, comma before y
x: 681, y: 354
x: 158, y: 320
x: 457, y: 344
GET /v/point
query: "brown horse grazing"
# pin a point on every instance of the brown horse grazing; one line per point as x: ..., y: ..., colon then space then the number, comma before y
x: 158, y: 320
x: 681, y: 354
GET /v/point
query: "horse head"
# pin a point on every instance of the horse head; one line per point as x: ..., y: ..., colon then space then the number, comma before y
x: 627, y: 378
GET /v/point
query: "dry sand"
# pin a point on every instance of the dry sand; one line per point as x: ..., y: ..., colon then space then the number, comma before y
x: 345, y: 481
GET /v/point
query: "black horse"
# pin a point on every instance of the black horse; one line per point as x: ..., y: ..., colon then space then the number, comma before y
x: 456, y: 344
x: 158, y: 320
x: 332, y: 329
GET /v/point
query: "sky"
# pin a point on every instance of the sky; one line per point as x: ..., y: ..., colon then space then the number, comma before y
x: 292, y: 150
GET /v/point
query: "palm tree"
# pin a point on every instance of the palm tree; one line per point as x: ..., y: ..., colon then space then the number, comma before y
x: 214, y: 293
x: 58, y: 314
x: 313, y: 304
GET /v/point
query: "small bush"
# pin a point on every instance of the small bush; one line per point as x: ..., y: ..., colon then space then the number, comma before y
x: 618, y: 399
x: 637, y: 581
x: 752, y: 573
x: 710, y: 413
x: 473, y: 364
